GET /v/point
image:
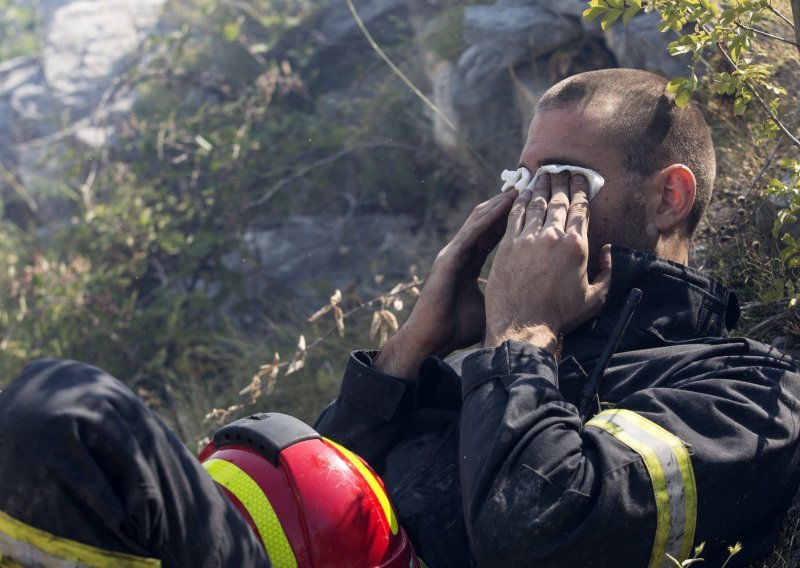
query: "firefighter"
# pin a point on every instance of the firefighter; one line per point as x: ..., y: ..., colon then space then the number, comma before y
x: 90, y: 477
x: 606, y: 419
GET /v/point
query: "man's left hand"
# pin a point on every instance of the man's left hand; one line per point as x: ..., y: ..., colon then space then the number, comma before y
x: 538, y: 288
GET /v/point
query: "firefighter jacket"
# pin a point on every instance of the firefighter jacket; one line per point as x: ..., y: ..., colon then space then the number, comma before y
x: 490, y: 464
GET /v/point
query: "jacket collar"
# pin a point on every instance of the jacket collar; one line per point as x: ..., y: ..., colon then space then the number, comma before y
x: 679, y: 303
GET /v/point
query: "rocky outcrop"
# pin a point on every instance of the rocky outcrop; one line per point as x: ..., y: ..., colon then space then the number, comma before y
x: 61, y: 96
x: 508, y: 53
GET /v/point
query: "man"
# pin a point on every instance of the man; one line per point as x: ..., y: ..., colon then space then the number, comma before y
x: 488, y: 461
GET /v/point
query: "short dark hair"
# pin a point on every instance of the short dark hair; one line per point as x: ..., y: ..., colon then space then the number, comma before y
x: 647, y: 126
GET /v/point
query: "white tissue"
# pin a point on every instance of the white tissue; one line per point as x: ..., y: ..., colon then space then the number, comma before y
x: 515, y: 178
x: 510, y: 177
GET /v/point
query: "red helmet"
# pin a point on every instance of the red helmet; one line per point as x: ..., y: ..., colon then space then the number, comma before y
x: 312, y: 503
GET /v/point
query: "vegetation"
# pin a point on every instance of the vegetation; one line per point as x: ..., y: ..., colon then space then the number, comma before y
x: 147, y: 275
x: 17, y: 30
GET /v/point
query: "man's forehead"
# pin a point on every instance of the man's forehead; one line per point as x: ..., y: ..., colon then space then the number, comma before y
x: 571, y: 135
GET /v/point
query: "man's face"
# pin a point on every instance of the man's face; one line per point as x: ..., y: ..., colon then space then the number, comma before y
x: 572, y: 136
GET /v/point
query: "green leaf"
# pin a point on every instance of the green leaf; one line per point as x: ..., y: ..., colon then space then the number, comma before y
x: 231, y: 31
x: 683, y: 98
x: 736, y: 52
x: 634, y: 3
x: 616, y: 3
x: 739, y: 106
x: 710, y: 7
x: 676, y: 83
x: 629, y: 13
x: 609, y: 19
x: 591, y: 13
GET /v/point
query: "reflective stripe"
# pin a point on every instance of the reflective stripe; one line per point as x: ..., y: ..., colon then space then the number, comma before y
x: 247, y: 491
x: 667, y: 461
x: 28, y: 546
x: 373, y: 483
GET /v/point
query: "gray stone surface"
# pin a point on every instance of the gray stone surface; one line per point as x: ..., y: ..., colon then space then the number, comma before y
x: 338, y: 22
x: 50, y: 101
x: 313, y: 255
x: 502, y: 34
x: 640, y: 45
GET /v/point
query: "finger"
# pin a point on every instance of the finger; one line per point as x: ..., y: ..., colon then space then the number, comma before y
x: 489, y: 216
x: 488, y: 229
x: 598, y: 290
x: 516, y: 218
x: 476, y: 222
x: 578, y: 213
x: 559, y: 202
x: 537, y: 207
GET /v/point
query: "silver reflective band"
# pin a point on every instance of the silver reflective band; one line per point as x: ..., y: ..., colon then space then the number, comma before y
x: 670, y: 468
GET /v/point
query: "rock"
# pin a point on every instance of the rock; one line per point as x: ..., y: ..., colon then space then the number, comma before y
x: 50, y: 102
x: 312, y: 256
x: 338, y: 22
x: 502, y: 34
x: 573, y: 8
x: 640, y: 45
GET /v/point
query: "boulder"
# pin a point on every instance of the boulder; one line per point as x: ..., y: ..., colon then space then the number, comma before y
x: 641, y: 46
x: 502, y: 34
x: 311, y: 256
x: 337, y: 22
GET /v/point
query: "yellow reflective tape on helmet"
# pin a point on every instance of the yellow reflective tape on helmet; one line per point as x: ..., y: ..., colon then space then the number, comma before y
x: 247, y: 491
x: 671, y: 474
x: 18, y: 539
x: 373, y: 483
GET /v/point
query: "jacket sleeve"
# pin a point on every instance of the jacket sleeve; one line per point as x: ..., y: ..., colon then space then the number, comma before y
x: 370, y: 412
x: 665, y: 469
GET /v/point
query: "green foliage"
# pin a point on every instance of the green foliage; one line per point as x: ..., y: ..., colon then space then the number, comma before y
x: 149, y: 275
x: 731, y: 30
x: 17, y: 29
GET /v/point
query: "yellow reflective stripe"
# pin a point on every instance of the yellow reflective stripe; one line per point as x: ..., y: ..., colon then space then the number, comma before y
x: 247, y: 491
x: 373, y: 483
x: 687, y: 476
x: 670, y: 469
x: 65, y: 550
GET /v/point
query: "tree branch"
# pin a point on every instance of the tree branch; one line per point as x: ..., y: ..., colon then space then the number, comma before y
x: 769, y: 35
x: 796, y: 16
x: 761, y: 102
x: 786, y: 20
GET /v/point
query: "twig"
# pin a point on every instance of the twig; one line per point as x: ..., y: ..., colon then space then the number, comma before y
x: 412, y: 86
x: 396, y: 69
x: 361, y: 307
x: 764, y: 106
x: 768, y: 323
x: 769, y: 35
x: 23, y: 194
x: 86, y: 187
x: 781, y: 16
x: 796, y: 16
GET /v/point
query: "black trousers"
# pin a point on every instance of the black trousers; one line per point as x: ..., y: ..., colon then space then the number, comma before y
x: 82, y: 458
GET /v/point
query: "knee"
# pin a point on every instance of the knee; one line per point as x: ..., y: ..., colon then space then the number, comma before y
x: 50, y: 390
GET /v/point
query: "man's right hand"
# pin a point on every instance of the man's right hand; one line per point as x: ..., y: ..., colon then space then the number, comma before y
x: 449, y: 313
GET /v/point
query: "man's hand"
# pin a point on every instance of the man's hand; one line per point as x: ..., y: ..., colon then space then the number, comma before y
x: 538, y: 288
x: 449, y: 313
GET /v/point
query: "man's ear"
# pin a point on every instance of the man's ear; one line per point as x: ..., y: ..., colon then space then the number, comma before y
x: 677, y: 188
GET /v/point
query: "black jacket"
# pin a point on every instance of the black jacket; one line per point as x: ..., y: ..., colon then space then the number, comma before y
x: 698, y: 441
